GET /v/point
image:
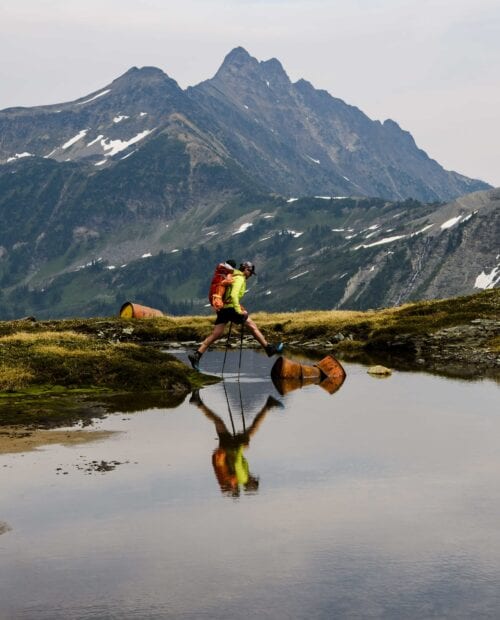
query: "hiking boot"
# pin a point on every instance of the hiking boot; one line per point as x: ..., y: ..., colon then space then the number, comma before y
x: 194, y: 358
x: 273, y: 349
x: 273, y: 403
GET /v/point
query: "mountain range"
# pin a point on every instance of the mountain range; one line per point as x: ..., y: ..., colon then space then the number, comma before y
x: 138, y: 188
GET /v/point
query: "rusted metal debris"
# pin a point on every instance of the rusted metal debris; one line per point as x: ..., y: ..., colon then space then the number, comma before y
x: 131, y: 310
x: 288, y: 375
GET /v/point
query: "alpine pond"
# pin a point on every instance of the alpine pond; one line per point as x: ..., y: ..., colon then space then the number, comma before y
x: 378, y: 501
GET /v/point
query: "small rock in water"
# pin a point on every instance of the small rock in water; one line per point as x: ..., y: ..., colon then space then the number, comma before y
x: 380, y: 371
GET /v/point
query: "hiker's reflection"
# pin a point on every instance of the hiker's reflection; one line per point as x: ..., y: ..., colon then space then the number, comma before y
x: 229, y: 463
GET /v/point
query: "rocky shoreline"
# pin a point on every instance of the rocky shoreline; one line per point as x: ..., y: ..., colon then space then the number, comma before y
x: 464, y: 348
x: 460, y: 351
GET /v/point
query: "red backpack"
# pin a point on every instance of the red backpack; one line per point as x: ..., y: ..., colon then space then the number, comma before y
x: 222, y: 278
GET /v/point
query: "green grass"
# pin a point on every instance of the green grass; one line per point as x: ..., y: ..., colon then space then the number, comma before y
x: 52, y: 377
x: 364, y: 326
x: 43, y: 358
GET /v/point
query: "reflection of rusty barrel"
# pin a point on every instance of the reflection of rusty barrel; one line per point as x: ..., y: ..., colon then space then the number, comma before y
x: 289, y: 375
x: 136, y: 311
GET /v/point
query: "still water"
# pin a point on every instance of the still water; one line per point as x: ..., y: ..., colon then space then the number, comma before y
x: 379, y: 501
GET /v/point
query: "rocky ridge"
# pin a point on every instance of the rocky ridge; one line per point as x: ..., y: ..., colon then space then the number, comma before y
x: 288, y: 137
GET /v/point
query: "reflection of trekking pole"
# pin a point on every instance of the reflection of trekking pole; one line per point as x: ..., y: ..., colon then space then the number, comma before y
x: 229, y: 407
x: 241, y: 403
x: 227, y: 345
x: 241, y: 348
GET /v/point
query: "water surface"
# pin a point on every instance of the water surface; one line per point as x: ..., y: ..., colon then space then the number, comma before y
x: 379, y: 501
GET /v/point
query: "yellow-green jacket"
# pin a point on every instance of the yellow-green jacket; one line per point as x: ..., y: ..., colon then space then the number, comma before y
x: 236, y: 291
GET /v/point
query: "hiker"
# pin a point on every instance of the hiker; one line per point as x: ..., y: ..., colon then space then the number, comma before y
x: 233, y: 312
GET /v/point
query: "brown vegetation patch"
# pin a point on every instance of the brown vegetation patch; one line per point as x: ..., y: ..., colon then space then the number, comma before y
x: 15, y: 439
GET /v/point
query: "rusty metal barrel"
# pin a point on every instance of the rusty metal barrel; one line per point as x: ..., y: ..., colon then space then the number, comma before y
x: 130, y: 310
x: 288, y: 375
x: 332, y: 368
x: 284, y: 368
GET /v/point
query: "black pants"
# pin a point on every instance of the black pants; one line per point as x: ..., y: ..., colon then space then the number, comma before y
x: 227, y: 315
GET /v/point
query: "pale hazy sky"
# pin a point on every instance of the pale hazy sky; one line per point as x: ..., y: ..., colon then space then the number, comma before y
x: 433, y: 66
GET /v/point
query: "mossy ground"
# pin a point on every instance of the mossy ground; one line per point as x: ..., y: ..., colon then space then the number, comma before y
x: 367, y: 328
x: 41, y: 367
x: 37, y: 359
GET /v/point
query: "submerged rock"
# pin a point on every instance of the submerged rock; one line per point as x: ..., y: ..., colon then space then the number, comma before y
x: 4, y: 527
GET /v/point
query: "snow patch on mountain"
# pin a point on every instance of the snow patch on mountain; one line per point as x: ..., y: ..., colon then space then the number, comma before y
x: 331, y: 197
x: 101, y: 94
x: 422, y: 230
x: 380, y: 242
x: 20, y: 156
x: 316, y: 161
x: 99, y: 137
x: 243, y: 227
x: 128, y: 154
x: 451, y: 222
x: 488, y: 280
x: 75, y: 139
x: 115, y: 146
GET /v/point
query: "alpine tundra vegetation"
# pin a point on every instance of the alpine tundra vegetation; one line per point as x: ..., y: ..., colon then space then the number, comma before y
x: 101, y: 363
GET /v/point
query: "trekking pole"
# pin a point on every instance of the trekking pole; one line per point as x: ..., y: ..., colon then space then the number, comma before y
x: 241, y: 348
x: 227, y: 345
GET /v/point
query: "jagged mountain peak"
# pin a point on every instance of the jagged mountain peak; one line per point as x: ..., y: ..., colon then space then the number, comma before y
x: 97, y: 126
x: 136, y: 80
x: 290, y: 138
x: 240, y: 65
x: 147, y: 70
x: 139, y: 77
x: 238, y: 56
x: 274, y: 68
x: 147, y: 73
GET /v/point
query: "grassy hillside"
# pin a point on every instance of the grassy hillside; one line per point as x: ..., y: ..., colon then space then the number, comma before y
x: 341, y: 330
